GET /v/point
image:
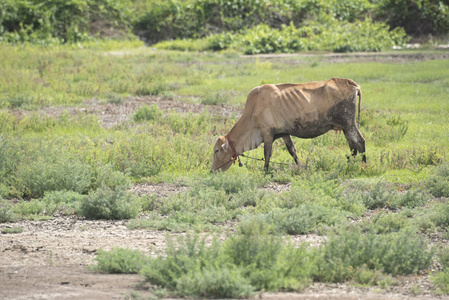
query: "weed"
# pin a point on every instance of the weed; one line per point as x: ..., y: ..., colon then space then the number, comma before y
x: 215, y: 99
x: 108, y: 204
x: 35, y: 208
x: 120, y: 260
x: 438, y: 184
x: 68, y: 201
x: 396, y: 253
x: 6, y: 211
x: 148, y: 113
x: 441, y: 280
x: 55, y: 170
x: 215, y: 283
x: 377, y: 197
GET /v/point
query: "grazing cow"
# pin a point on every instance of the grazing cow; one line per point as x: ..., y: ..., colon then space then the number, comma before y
x: 304, y: 110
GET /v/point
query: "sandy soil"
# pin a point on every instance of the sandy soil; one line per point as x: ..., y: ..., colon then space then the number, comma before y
x: 50, y: 259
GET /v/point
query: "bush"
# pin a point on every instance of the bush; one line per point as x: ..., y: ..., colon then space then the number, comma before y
x: 250, y: 260
x: 148, y: 113
x: 215, y: 283
x: 303, y: 219
x: 395, y: 253
x: 108, y: 204
x: 6, y: 211
x: 438, y: 184
x: 35, y: 207
x: 55, y: 22
x: 69, y: 201
x: 120, y: 260
x: 417, y: 17
x: 52, y: 172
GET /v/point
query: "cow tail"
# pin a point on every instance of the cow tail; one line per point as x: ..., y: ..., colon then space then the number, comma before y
x: 360, y: 100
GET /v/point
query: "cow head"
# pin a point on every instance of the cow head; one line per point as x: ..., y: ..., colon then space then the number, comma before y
x: 223, y: 155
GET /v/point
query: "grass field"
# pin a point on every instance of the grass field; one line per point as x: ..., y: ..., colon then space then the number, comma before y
x: 381, y: 213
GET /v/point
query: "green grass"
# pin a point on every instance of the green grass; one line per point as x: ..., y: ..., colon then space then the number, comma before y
x: 74, y: 165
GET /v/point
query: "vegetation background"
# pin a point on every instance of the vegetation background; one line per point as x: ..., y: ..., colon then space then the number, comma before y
x: 381, y: 220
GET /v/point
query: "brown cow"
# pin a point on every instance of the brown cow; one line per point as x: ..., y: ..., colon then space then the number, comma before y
x: 304, y: 110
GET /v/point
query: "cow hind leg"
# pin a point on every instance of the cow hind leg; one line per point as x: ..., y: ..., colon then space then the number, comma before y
x: 291, y: 147
x: 356, y: 142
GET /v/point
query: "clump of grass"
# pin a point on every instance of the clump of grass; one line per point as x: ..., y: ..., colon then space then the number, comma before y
x: 303, y: 219
x: 441, y: 279
x: 52, y: 171
x: 148, y: 113
x: 12, y: 230
x: 386, y: 223
x: 35, y: 209
x: 6, y: 211
x: 396, y: 253
x: 438, y: 184
x: 215, y: 99
x: 108, y: 204
x: 120, y: 260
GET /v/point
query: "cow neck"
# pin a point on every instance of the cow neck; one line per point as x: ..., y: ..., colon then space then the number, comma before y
x: 235, y: 155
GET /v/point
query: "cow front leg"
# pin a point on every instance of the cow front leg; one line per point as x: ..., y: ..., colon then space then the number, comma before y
x: 291, y: 147
x: 356, y: 141
x: 268, y: 147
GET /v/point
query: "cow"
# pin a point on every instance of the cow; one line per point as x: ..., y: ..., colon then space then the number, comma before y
x: 304, y: 110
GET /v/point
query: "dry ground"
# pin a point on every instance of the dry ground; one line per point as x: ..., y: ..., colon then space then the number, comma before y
x: 50, y: 259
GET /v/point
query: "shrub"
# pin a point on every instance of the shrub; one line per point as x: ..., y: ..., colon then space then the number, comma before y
x: 395, y: 253
x: 120, y: 260
x: 415, y: 16
x: 108, y: 204
x: 52, y: 172
x: 148, y: 113
x: 70, y: 201
x: 54, y: 22
x: 213, y: 282
x: 303, y: 219
x: 438, y: 184
x: 441, y: 280
x: 266, y: 261
x: 377, y: 197
x: 6, y: 211
x: 106, y: 176
x: 35, y: 207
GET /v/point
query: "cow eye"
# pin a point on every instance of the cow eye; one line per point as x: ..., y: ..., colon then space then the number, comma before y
x: 216, y: 151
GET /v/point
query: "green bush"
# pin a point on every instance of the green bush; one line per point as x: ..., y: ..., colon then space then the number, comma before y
x: 120, y: 260
x: 55, y: 22
x: 68, y: 201
x: 148, y: 113
x: 105, y: 175
x: 438, y: 184
x: 35, y: 208
x: 48, y: 169
x: 396, y: 253
x: 417, y: 17
x: 6, y: 211
x: 215, y: 282
x: 303, y: 219
x: 250, y: 260
x: 108, y: 204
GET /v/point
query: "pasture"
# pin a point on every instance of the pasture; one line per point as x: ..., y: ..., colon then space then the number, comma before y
x: 105, y: 157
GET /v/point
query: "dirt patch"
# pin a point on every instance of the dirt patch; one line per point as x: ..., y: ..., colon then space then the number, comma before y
x: 111, y: 115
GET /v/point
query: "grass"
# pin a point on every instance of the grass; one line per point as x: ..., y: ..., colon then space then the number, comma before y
x: 70, y: 163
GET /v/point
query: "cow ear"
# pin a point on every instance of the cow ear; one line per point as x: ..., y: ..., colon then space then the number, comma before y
x: 225, y: 146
